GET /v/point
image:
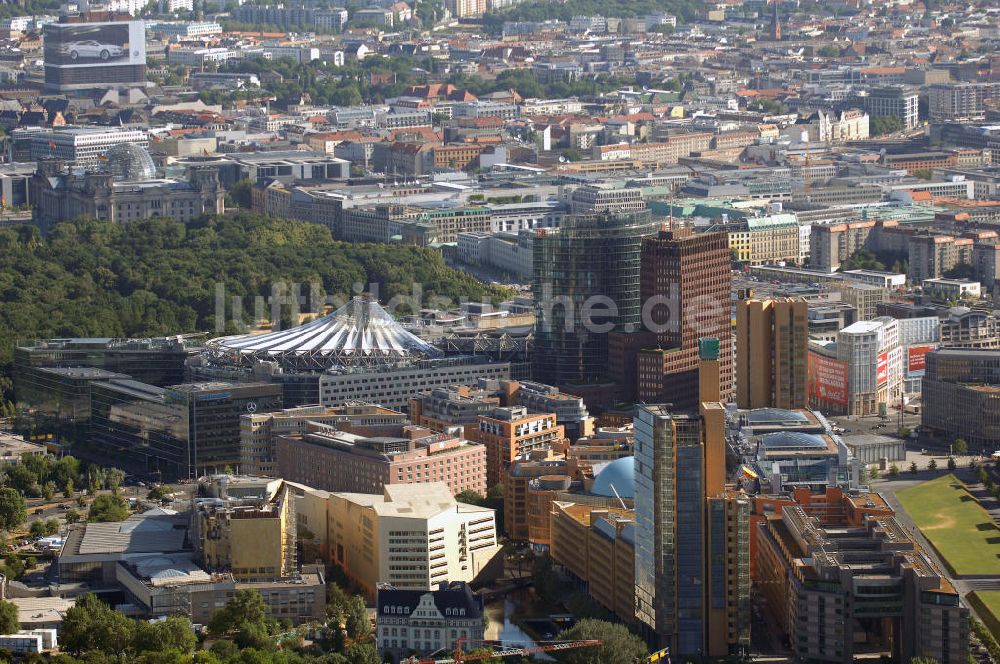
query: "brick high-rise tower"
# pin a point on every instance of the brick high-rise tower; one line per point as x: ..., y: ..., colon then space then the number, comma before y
x: 686, y: 293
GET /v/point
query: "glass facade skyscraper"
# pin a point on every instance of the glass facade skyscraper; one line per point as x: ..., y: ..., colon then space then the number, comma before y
x: 157, y: 361
x: 692, y: 579
x: 133, y: 427
x: 586, y: 271
x: 176, y: 432
x: 669, y: 525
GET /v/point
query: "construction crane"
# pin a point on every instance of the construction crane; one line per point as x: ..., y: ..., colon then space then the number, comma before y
x: 458, y: 657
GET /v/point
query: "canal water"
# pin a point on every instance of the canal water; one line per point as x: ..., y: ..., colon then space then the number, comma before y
x: 501, y: 626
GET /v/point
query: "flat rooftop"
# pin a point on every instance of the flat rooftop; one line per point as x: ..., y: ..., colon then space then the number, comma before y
x: 83, y: 373
x: 13, y: 445
x: 153, y: 531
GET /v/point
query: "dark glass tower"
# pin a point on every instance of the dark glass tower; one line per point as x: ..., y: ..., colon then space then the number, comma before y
x: 590, y: 261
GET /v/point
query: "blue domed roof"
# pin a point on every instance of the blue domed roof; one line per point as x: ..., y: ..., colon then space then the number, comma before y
x: 620, y: 474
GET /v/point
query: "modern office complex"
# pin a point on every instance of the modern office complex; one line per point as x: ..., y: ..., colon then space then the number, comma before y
x: 537, y: 481
x: 392, y: 387
x: 213, y: 412
x: 54, y: 381
x: 462, y: 405
x: 970, y: 328
x: 164, y: 563
x: 80, y: 55
x: 454, y: 406
x: 511, y: 432
x: 570, y: 410
x: 692, y: 582
x: 413, y: 536
x: 586, y: 284
x: 839, y: 590
x: 961, y: 396
x: 158, y: 361
x: 597, y: 545
x: 772, y: 344
x: 686, y: 287
x: 58, y: 398
x: 963, y: 102
x: 784, y: 450
x: 860, y: 373
x: 335, y: 460
x: 259, y: 431
x: 249, y: 532
x: 898, y: 101
x: 177, y: 432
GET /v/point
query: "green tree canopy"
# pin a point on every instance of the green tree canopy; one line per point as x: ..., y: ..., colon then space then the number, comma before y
x: 108, y: 508
x: 159, y: 491
x: 885, y: 124
x: 157, y: 276
x: 362, y: 653
x: 175, y: 634
x: 240, y: 193
x: 8, y: 618
x: 247, y: 607
x: 13, y: 509
x: 470, y: 497
x: 356, y: 620
x: 91, y: 626
x: 618, y: 644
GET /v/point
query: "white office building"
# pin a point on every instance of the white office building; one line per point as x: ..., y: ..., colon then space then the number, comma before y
x: 187, y: 28
x: 84, y: 146
x: 874, y: 359
x: 334, y: 18
x: 412, y: 536
x: 925, y: 329
x: 507, y: 252
x: 196, y: 57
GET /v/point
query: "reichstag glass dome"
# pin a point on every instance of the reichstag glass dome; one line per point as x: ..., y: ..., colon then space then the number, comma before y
x: 130, y: 162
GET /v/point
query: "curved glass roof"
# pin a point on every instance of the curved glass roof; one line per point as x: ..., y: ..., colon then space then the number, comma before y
x: 619, y: 474
x: 130, y: 162
x: 792, y: 440
x: 775, y: 415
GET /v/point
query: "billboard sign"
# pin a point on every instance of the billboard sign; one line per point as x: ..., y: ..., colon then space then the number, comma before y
x: 916, y: 358
x: 90, y: 44
x: 882, y: 369
x: 828, y: 380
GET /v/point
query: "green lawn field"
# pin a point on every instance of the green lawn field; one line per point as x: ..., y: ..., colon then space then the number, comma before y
x: 990, y: 600
x: 963, y: 533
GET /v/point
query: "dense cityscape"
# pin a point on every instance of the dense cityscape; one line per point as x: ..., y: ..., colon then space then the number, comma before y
x: 443, y: 331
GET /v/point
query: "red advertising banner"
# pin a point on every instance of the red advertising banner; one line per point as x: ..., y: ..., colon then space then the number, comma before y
x: 882, y: 369
x: 827, y: 380
x: 917, y: 357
